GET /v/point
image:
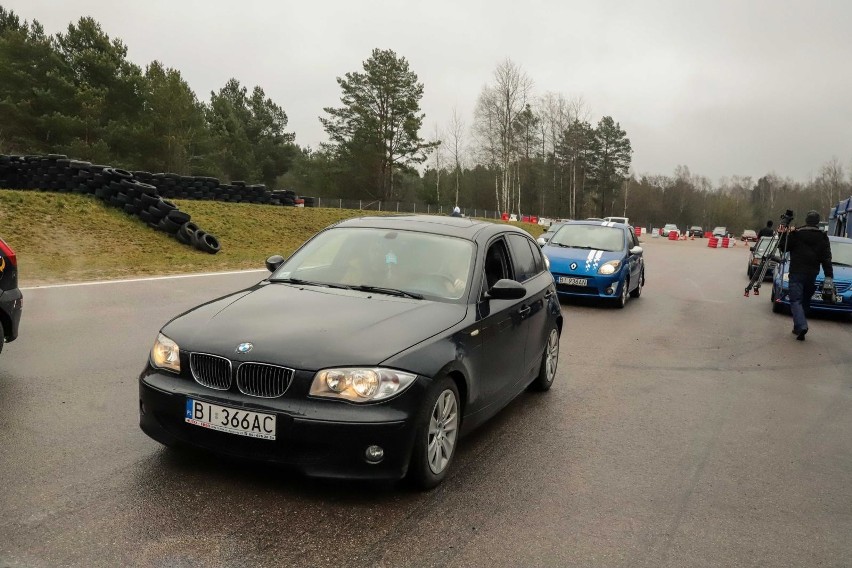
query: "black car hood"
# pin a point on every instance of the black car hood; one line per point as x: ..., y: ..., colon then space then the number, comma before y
x: 306, y: 327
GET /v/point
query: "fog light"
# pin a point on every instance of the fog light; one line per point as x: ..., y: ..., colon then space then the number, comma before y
x: 610, y: 291
x: 374, y: 454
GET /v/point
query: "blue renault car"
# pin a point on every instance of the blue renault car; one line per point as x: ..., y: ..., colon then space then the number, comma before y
x: 596, y: 259
x: 841, y: 260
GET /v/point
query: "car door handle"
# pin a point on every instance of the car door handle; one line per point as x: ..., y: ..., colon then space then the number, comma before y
x: 525, y: 310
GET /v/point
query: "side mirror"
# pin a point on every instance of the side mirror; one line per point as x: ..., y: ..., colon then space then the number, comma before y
x: 506, y: 289
x: 541, y: 242
x: 636, y: 250
x: 273, y: 262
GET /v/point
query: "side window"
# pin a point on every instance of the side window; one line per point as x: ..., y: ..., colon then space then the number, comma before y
x: 537, y: 256
x: 523, y: 257
x: 634, y: 241
x: 496, y: 263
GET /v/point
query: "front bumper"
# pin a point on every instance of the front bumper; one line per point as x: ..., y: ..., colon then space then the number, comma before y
x: 321, y: 438
x: 597, y: 286
x: 843, y: 306
x: 11, y: 304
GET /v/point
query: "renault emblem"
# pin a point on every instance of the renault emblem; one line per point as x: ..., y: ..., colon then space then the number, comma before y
x: 244, y: 347
x: 573, y: 266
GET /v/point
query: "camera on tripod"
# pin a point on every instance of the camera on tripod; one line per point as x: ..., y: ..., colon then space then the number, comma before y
x: 787, y: 218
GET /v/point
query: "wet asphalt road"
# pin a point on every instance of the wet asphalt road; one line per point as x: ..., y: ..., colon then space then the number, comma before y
x: 689, y: 429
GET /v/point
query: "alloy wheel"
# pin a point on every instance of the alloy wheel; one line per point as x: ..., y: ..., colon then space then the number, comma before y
x: 443, y: 431
x: 552, y: 355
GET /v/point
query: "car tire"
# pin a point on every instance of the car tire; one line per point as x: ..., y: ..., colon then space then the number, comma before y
x: 429, y: 463
x: 621, y: 301
x: 776, y: 308
x: 638, y: 291
x: 549, y: 362
x: 205, y: 242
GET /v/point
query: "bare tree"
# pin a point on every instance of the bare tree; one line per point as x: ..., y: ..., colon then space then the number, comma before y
x: 455, y: 147
x: 830, y: 181
x: 498, y: 106
x: 555, y: 113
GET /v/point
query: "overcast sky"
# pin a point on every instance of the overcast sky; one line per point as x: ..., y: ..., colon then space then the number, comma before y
x: 725, y: 87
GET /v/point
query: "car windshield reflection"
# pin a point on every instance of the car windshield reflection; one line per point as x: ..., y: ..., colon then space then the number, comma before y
x: 398, y: 263
x: 593, y: 237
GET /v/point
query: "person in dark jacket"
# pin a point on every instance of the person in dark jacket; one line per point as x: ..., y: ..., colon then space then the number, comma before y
x: 767, y: 231
x: 809, y: 249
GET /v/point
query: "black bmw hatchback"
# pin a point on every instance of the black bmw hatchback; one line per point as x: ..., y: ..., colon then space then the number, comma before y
x: 366, y: 354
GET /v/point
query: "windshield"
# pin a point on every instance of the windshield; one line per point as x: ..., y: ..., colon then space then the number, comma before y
x: 841, y: 253
x: 761, y: 245
x: 434, y: 266
x: 593, y: 237
x: 670, y: 226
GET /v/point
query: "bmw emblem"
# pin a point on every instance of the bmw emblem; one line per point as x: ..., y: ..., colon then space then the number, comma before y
x: 244, y: 347
x: 573, y: 266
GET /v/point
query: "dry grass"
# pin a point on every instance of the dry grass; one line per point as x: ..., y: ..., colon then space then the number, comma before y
x: 70, y: 238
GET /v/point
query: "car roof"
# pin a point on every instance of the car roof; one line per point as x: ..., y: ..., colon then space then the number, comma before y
x: 597, y: 223
x: 462, y: 227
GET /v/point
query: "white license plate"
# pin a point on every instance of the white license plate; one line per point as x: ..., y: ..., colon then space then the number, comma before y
x: 230, y: 420
x: 838, y: 299
x: 573, y: 281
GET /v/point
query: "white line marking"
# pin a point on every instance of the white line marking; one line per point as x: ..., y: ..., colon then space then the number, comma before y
x: 174, y: 277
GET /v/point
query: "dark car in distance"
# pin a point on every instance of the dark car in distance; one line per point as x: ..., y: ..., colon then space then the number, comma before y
x: 11, y: 299
x: 551, y: 230
x: 696, y: 231
x: 756, y: 254
x: 366, y: 354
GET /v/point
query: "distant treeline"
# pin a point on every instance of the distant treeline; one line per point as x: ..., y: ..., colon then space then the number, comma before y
x: 76, y: 93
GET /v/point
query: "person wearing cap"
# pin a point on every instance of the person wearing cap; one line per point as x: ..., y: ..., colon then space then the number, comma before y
x: 767, y: 231
x: 809, y: 249
x: 456, y: 212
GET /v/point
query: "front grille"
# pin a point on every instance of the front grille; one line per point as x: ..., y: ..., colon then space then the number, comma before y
x: 210, y: 371
x: 571, y: 289
x: 262, y: 380
x: 839, y: 287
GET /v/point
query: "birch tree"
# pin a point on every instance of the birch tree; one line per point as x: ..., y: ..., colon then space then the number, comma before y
x: 497, y: 109
x: 455, y: 148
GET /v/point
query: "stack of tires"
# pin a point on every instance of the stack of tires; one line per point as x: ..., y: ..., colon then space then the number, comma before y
x: 113, y: 186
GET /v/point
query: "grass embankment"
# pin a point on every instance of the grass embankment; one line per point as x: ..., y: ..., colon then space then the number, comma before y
x: 70, y: 238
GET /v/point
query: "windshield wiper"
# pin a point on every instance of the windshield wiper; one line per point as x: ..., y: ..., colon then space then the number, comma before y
x: 388, y: 291
x: 301, y: 282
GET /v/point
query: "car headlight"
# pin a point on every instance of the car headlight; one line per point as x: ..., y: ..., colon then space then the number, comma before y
x: 165, y: 354
x: 610, y: 267
x: 358, y: 384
